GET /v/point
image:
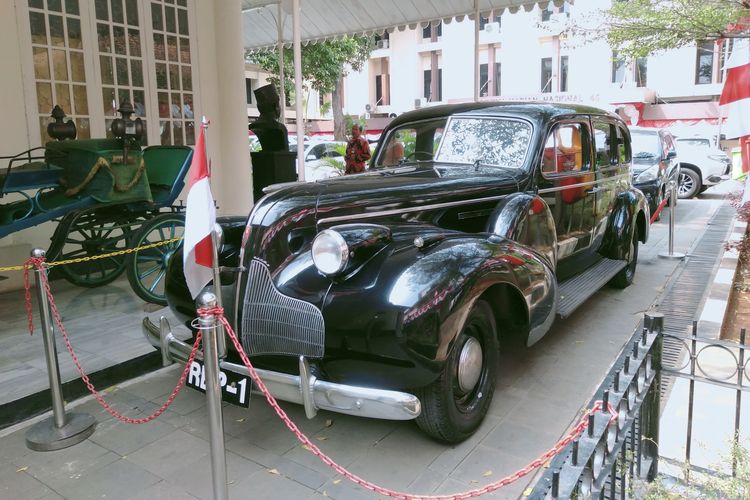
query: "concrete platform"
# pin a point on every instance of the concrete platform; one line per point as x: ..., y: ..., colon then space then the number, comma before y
x: 539, y: 394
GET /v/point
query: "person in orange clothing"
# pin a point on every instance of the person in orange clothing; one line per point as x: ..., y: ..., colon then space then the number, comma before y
x: 357, y: 152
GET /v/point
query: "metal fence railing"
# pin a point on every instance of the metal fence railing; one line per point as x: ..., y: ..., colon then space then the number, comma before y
x: 606, y: 459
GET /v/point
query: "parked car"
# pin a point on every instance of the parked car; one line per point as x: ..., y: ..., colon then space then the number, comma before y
x: 323, y: 159
x: 655, y: 163
x: 702, y: 165
x: 387, y: 294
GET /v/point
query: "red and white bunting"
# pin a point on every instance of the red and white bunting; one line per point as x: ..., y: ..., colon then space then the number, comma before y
x: 200, y: 218
x: 736, y: 97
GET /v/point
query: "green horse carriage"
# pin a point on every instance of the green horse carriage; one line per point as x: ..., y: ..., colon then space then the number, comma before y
x: 107, y: 195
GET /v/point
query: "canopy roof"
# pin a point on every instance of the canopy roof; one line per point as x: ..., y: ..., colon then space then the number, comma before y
x: 327, y: 19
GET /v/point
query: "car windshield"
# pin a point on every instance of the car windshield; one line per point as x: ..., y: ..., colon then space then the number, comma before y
x: 411, y: 142
x: 645, y: 144
x: 704, y: 143
x: 489, y: 141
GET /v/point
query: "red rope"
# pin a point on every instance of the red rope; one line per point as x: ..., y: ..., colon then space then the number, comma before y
x: 38, y: 263
x: 575, y: 432
x: 32, y: 263
x: 658, y: 210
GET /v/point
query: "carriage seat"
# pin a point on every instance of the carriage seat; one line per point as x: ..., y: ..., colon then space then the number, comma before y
x: 167, y: 167
x: 34, y: 175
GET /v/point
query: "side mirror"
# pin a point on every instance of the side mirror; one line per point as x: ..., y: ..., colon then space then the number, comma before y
x: 310, y: 157
x: 671, y: 155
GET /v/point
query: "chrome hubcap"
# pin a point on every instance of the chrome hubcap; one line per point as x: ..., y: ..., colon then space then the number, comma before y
x: 469, y: 364
x: 686, y: 184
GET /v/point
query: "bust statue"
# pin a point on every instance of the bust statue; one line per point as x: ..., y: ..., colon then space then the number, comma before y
x: 271, y: 133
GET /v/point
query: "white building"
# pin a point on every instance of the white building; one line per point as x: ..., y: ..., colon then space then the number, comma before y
x: 527, y: 56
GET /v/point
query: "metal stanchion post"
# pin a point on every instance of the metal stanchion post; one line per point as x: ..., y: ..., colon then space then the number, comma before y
x: 213, y: 397
x: 672, y: 202
x: 61, y: 430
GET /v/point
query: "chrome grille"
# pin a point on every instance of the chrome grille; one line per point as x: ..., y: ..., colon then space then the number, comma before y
x: 273, y: 323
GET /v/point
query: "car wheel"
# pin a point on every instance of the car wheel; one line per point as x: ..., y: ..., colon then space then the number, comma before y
x: 689, y: 184
x: 624, y: 278
x: 455, y: 404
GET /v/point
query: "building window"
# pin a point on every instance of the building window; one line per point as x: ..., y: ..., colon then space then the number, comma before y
x: 120, y: 56
x: 497, y: 79
x: 635, y: 71
x: 551, y: 9
x: 484, y: 21
x: 379, y: 90
x: 427, y: 74
x: 704, y: 62
x: 483, y: 80
x: 59, y: 71
x: 564, y: 74
x: 641, y: 71
x: 432, y: 31
x: 546, y: 83
x: 381, y: 41
x: 618, y: 68
x: 249, y: 90
x: 174, y: 78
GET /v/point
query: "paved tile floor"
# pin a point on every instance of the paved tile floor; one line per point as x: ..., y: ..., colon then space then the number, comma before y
x: 539, y: 394
x: 104, y: 325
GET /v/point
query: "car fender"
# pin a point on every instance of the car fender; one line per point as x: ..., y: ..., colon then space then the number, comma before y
x: 457, y: 272
x: 630, y: 213
x: 526, y: 219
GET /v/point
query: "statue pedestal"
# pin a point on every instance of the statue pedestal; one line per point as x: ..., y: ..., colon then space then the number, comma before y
x: 272, y: 168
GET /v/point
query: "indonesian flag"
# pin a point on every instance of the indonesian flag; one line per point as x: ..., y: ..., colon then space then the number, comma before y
x: 197, y: 257
x: 736, y: 97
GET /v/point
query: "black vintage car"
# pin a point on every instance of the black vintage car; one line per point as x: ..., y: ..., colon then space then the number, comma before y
x: 388, y: 294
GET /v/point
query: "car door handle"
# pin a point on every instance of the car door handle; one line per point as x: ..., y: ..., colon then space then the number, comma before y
x: 593, y: 190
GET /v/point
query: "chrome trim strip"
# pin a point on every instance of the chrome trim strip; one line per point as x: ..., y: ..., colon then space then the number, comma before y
x: 341, y: 398
x: 422, y: 208
x: 582, y: 184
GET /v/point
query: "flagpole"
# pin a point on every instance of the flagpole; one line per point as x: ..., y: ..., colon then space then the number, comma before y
x: 215, y: 243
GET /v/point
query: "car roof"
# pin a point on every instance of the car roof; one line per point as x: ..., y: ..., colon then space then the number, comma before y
x: 537, y: 111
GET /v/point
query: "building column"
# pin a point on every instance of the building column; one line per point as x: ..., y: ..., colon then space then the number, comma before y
x: 491, y: 85
x: 222, y: 86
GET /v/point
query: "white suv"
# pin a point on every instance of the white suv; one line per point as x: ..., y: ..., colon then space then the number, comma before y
x: 702, y: 165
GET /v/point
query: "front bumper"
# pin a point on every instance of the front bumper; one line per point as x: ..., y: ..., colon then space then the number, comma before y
x: 652, y: 191
x: 305, y: 389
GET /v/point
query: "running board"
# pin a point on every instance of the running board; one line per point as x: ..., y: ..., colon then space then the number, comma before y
x: 574, y: 292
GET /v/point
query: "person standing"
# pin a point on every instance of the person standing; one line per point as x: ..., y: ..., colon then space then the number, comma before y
x: 357, y: 152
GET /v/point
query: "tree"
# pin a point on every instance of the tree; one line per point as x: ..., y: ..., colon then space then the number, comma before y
x: 637, y: 28
x: 324, y: 65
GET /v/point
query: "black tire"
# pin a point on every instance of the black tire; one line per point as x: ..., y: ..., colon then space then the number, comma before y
x: 625, y: 277
x: 689, y: 184
x: 146, y: 269
x: 89, y: 234
x: 451, y: 413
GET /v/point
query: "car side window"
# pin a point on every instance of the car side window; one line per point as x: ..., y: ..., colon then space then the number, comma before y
x: 623, y: 146
x: 605, y: 143
x: 668, y: 144
x: 567, y: 149
x: 317, y: 151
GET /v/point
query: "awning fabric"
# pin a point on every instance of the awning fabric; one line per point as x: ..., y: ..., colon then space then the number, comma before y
x: 328, y: 19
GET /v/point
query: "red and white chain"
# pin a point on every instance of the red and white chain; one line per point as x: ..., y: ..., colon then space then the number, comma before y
x: 38, y: 263
x: 575, y: 432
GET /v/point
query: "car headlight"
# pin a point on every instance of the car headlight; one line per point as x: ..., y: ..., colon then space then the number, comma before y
x: 330, y: 252
x: 649, y: 174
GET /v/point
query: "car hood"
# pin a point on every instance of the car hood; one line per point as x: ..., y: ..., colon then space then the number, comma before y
x: 292, y: 215
x: 641, y: 164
